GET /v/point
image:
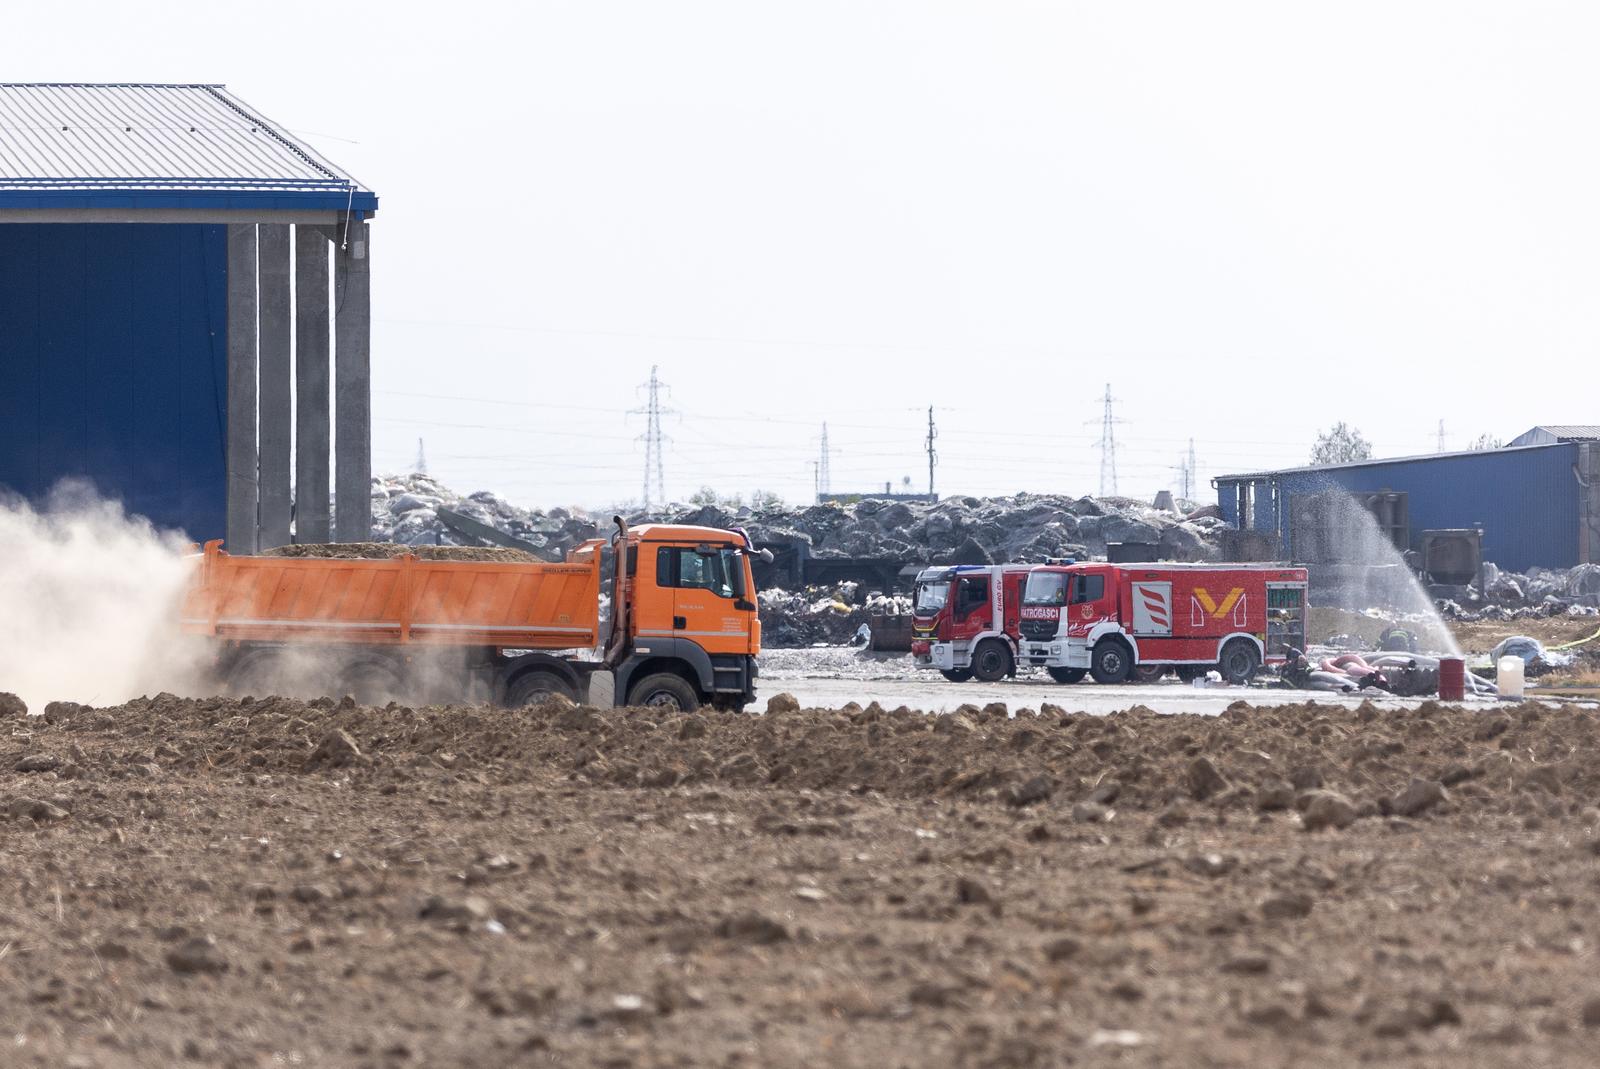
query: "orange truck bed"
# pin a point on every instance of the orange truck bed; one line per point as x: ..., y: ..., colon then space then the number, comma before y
x: 398, y: 601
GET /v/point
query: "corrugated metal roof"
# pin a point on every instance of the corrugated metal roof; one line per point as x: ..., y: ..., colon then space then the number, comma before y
x: 139, y: 137
x: 1374, y: 463
x: 1571, y: 432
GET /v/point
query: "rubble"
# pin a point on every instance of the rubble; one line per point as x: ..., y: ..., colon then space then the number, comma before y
x: 1541, y: 592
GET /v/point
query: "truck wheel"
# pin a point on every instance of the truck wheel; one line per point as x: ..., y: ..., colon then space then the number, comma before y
x: 1191, y: 672
x: 991, y: 661
x: 956, y: 675
x: 663, y: 690
x: 257, y: 673
x: 1149, y: 673
x: 370, y: 681
x: 1067, y: 675
x: 1111, y: 661
x: 1239, y: 663
x: 531, y: 688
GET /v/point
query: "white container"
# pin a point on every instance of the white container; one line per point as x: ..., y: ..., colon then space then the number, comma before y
x: 1508, y: 677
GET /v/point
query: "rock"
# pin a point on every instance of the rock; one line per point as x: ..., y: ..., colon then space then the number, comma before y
x: 58, y: 711
x: 1418, y: 797
x: 692, y: 727
x: 1106, y: 793
x: 1591, y: 1013
x: 752, y: 928
x: 336, y: 750
x: 38, y: 762
x: 1059, y: 950
x: 783, y: 703
x: 12, y: 706
x: 1325, y: 809
x: 1030, y: 792
x: 1203, y: 779
x: 197, y: 954
x: 1287, y: 907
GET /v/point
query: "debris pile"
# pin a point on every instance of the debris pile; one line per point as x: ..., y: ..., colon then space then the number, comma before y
x: 1514, y: 596
x: 1026, y: 528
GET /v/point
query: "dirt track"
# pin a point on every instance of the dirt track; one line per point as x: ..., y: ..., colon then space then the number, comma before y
x: 228, y: 883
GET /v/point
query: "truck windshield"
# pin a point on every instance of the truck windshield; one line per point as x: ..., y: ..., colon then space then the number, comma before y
x: 931, y: 596
x: 1046, y: 588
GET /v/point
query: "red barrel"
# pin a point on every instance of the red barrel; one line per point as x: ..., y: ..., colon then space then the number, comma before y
x: 1452, y: 679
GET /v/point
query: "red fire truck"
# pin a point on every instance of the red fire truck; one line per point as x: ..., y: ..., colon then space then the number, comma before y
x: 1115, y: 619
x: 969, y: 620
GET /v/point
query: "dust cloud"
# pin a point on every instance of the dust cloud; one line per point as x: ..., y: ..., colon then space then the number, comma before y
x: 88, y: 602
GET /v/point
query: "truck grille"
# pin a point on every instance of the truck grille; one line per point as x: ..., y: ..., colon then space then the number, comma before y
x: 1038, y: 630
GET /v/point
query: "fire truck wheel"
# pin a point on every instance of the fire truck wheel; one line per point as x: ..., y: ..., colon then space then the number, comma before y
x: 531, y: 688
x: 991, y: 661
x: 1067, y: 675
x: 1239, y: 662
x: 663, y: 690
x: 1111, y: 661
x: 956, y: 675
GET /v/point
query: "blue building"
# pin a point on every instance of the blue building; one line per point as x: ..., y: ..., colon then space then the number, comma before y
x: 1537, y: 504
x: 149, y: 341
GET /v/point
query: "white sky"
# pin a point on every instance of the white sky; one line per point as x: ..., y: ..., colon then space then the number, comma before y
x: 1252, y: 220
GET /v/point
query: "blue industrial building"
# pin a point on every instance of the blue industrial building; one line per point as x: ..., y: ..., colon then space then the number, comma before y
x: 149, y: 341
x: 1537, y: 505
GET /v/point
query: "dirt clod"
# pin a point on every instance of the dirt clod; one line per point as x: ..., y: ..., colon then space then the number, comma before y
x: 1325, y: 809
x: 1419, y: 796
x: 197, y: 954
x: 336, y: 750
x: 1204, y: 780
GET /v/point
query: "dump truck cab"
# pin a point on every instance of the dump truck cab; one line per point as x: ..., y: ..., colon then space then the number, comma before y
x: 685, y: 625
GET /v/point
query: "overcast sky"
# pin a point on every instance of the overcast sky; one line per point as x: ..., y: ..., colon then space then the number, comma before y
x: 1251, y: 220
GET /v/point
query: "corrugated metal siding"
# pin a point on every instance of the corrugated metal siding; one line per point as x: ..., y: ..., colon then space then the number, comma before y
x: 1526, y: 500
x: 74, y: 136
x: 113, y: 365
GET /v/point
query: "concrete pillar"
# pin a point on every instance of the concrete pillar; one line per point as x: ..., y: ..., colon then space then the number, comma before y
x: 352, y: 387
x: 312, y: 427
x: 1588, y: 502
x: 276, y: 405
x: 243, y: 518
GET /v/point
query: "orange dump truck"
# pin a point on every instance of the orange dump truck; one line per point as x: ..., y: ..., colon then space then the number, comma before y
x: 683, y: 629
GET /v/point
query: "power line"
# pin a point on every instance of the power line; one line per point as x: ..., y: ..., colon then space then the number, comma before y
x: 653, y: 440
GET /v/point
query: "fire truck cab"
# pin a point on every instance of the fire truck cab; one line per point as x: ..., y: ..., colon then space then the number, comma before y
x: 964, y: 621
x: 1194, y: 618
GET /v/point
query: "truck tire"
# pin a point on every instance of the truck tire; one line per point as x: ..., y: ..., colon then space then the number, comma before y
x: 991, y: 661
x: 531, y: 688
x: 370, y: 680
x: 663, y: 690
x: 256, y: 673
x: 956, y: 675
x: 1111, y: 661
x: 1067, y: 675
x: 1240, y: 662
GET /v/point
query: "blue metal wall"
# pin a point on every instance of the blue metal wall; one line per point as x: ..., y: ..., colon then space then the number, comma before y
x: 113, y: 345
x: 1526, y: 500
